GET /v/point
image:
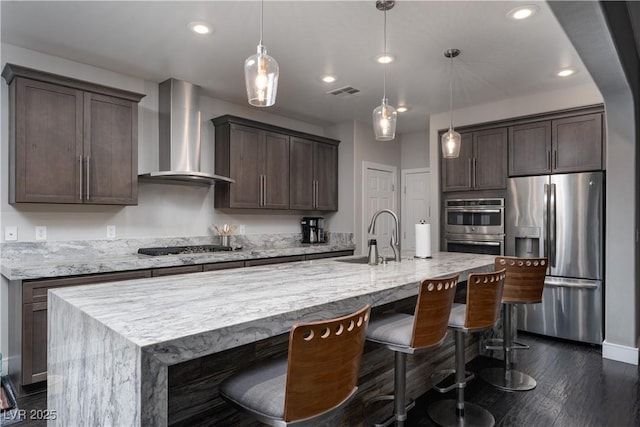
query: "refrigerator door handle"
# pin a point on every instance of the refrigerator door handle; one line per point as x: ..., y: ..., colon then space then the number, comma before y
x: 552, y: 225
x: 545, y: 221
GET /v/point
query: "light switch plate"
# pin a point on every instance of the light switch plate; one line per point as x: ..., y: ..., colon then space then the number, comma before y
x: 41, y: 232
x: 241, y: 230
x: 10, y: 233
x: 111, y: 231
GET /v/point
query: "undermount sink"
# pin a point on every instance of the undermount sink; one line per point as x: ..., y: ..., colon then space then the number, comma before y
x: 361, y: 260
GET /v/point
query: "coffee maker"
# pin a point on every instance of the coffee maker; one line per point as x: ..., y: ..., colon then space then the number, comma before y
x: 312, y: 229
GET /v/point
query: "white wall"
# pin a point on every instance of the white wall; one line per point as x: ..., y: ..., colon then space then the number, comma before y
x: 514, y: 107
x: 163, y: 210
x: 415, y: 149
x: 344, y: 219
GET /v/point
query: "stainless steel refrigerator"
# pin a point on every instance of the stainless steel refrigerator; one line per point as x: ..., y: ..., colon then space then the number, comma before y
x: 561, y: 217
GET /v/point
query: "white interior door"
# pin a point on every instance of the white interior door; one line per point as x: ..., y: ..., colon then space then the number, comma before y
x: 416, y: 202
x: 379, y: 194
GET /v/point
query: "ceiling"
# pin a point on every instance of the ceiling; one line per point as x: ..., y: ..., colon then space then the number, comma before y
x: 150, y: 39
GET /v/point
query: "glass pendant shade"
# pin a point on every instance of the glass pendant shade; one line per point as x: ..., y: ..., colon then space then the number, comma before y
x: 384, y: 121
x: 261, y: 78
x: 451, y: 144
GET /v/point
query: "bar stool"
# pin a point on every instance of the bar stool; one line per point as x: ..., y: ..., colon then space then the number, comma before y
x: 318, y: 376
x: 523, y: 284
x: 408, y: 334
x: 484, y: 293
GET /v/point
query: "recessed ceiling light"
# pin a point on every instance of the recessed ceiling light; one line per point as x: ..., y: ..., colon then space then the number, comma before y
x: 522, y: 12
x: 328, y: 78
x: 401, y: 109
x: 385, y: 59
x: 566, y: 72
x: 200, y: 27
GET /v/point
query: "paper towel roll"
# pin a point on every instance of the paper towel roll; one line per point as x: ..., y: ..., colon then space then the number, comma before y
x: 423, y: 240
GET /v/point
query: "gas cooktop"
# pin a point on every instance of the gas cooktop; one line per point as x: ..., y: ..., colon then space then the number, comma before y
x: 176, y: 250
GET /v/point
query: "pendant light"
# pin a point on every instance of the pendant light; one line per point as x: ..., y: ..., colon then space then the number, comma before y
x: 261, y: 74
x: 384, y: 115
x: 451, y: 139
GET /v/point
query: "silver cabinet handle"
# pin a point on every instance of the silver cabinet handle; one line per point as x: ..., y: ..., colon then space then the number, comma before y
x: 80, y: 159
x: 470, y: 183
x: 555, y: 155
x: 475, y: 172
x: 260, y: 191
x: 264, y: 191
x: 88, y: 175
x: 316, y: 195
x: 549, y: 159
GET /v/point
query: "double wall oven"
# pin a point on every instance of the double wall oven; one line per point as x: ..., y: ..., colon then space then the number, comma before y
x: 474, y: 226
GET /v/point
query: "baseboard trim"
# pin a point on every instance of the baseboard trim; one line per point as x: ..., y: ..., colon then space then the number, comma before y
x: 620, y: 353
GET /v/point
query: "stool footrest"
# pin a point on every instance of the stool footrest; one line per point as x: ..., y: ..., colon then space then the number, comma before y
x: 520, y: 346
x: 391, y: 419
x: 445, y: 389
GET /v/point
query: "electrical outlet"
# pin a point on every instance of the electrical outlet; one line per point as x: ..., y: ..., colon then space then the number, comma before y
x: 10, y: 233
x: 241, y: 229
x: 111, y: 231
x: 41, y: 232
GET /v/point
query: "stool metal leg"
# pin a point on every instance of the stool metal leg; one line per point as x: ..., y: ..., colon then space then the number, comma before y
x: 458, y: 412
x: 401, y: 407
x: 508, y: 378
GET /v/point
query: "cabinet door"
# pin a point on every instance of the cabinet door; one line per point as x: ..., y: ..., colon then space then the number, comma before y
x: 274, y: 149
x: 34, y: 317
x: 110, y: 150
x: 34, y: 343
x: 301, y: 181
x: 530, y: 149
x: 326, y: 176
x: 490, y: 162
x: 456, y: 173
x: 577, y: 143
x: 245, y: 167
x: 48, y: 143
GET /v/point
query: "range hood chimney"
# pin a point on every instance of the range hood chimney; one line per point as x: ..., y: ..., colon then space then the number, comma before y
x: 179, y: 123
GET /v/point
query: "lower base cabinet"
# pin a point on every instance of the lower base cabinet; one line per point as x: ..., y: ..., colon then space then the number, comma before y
x: 30, y: 353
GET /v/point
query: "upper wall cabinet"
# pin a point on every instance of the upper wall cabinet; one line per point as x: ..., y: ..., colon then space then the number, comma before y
x: 70, y: 141
x: 314, y: 175
x: 481, y: 164
x: 569, y: 144
x: 273, y: 167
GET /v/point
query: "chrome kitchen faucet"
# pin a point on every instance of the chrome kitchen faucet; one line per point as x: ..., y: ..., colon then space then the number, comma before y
x: 395, y: 241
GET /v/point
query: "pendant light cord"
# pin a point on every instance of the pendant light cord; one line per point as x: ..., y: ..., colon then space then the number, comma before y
x: 384, y: 80
x: 451, y: 94
x: 261, y: 19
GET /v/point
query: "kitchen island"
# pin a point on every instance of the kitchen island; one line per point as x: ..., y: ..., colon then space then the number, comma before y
x: 110, y: 349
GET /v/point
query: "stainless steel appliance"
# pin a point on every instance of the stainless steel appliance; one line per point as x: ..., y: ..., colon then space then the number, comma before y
x: 561, y: 217
x: 312, y: 229
x: 474, y: 226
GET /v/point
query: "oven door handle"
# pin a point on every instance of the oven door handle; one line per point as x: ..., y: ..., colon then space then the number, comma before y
x: 474, y: 242
x: 473, y: 210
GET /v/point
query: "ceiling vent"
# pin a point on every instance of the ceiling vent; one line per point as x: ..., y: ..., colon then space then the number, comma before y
x: 344, y: 92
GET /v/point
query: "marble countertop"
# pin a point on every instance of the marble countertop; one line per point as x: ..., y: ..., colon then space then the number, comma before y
x: 37, y: 265
x: 212, y: 311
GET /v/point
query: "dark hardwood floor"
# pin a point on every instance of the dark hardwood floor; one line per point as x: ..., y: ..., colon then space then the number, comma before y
x: 576, y: 388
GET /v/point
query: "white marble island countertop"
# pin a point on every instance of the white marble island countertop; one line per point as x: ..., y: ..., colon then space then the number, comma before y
x: 133, y: 330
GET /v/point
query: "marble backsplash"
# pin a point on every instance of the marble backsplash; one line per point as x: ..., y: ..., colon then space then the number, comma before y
x: 121, y: 247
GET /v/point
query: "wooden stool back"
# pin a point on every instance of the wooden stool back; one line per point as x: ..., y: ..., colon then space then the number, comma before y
x: 323, y: 363
x: 431, y: 316
x: 525, y: 278
x: 484, y: 296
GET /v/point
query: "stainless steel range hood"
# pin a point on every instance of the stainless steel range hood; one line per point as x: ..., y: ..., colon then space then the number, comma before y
x: 179, y: 123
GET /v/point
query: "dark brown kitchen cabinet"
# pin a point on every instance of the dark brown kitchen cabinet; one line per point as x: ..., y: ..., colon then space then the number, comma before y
x: 33, y: 354
x: 171, y: 271
x: 569, y: 144
x: 313, y: 175
x: 577, y: 143
x: 258, y: 161
x: 481, y: 165
x: 274, y: 167
x: 70, y: 141
x: 530, y: 149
